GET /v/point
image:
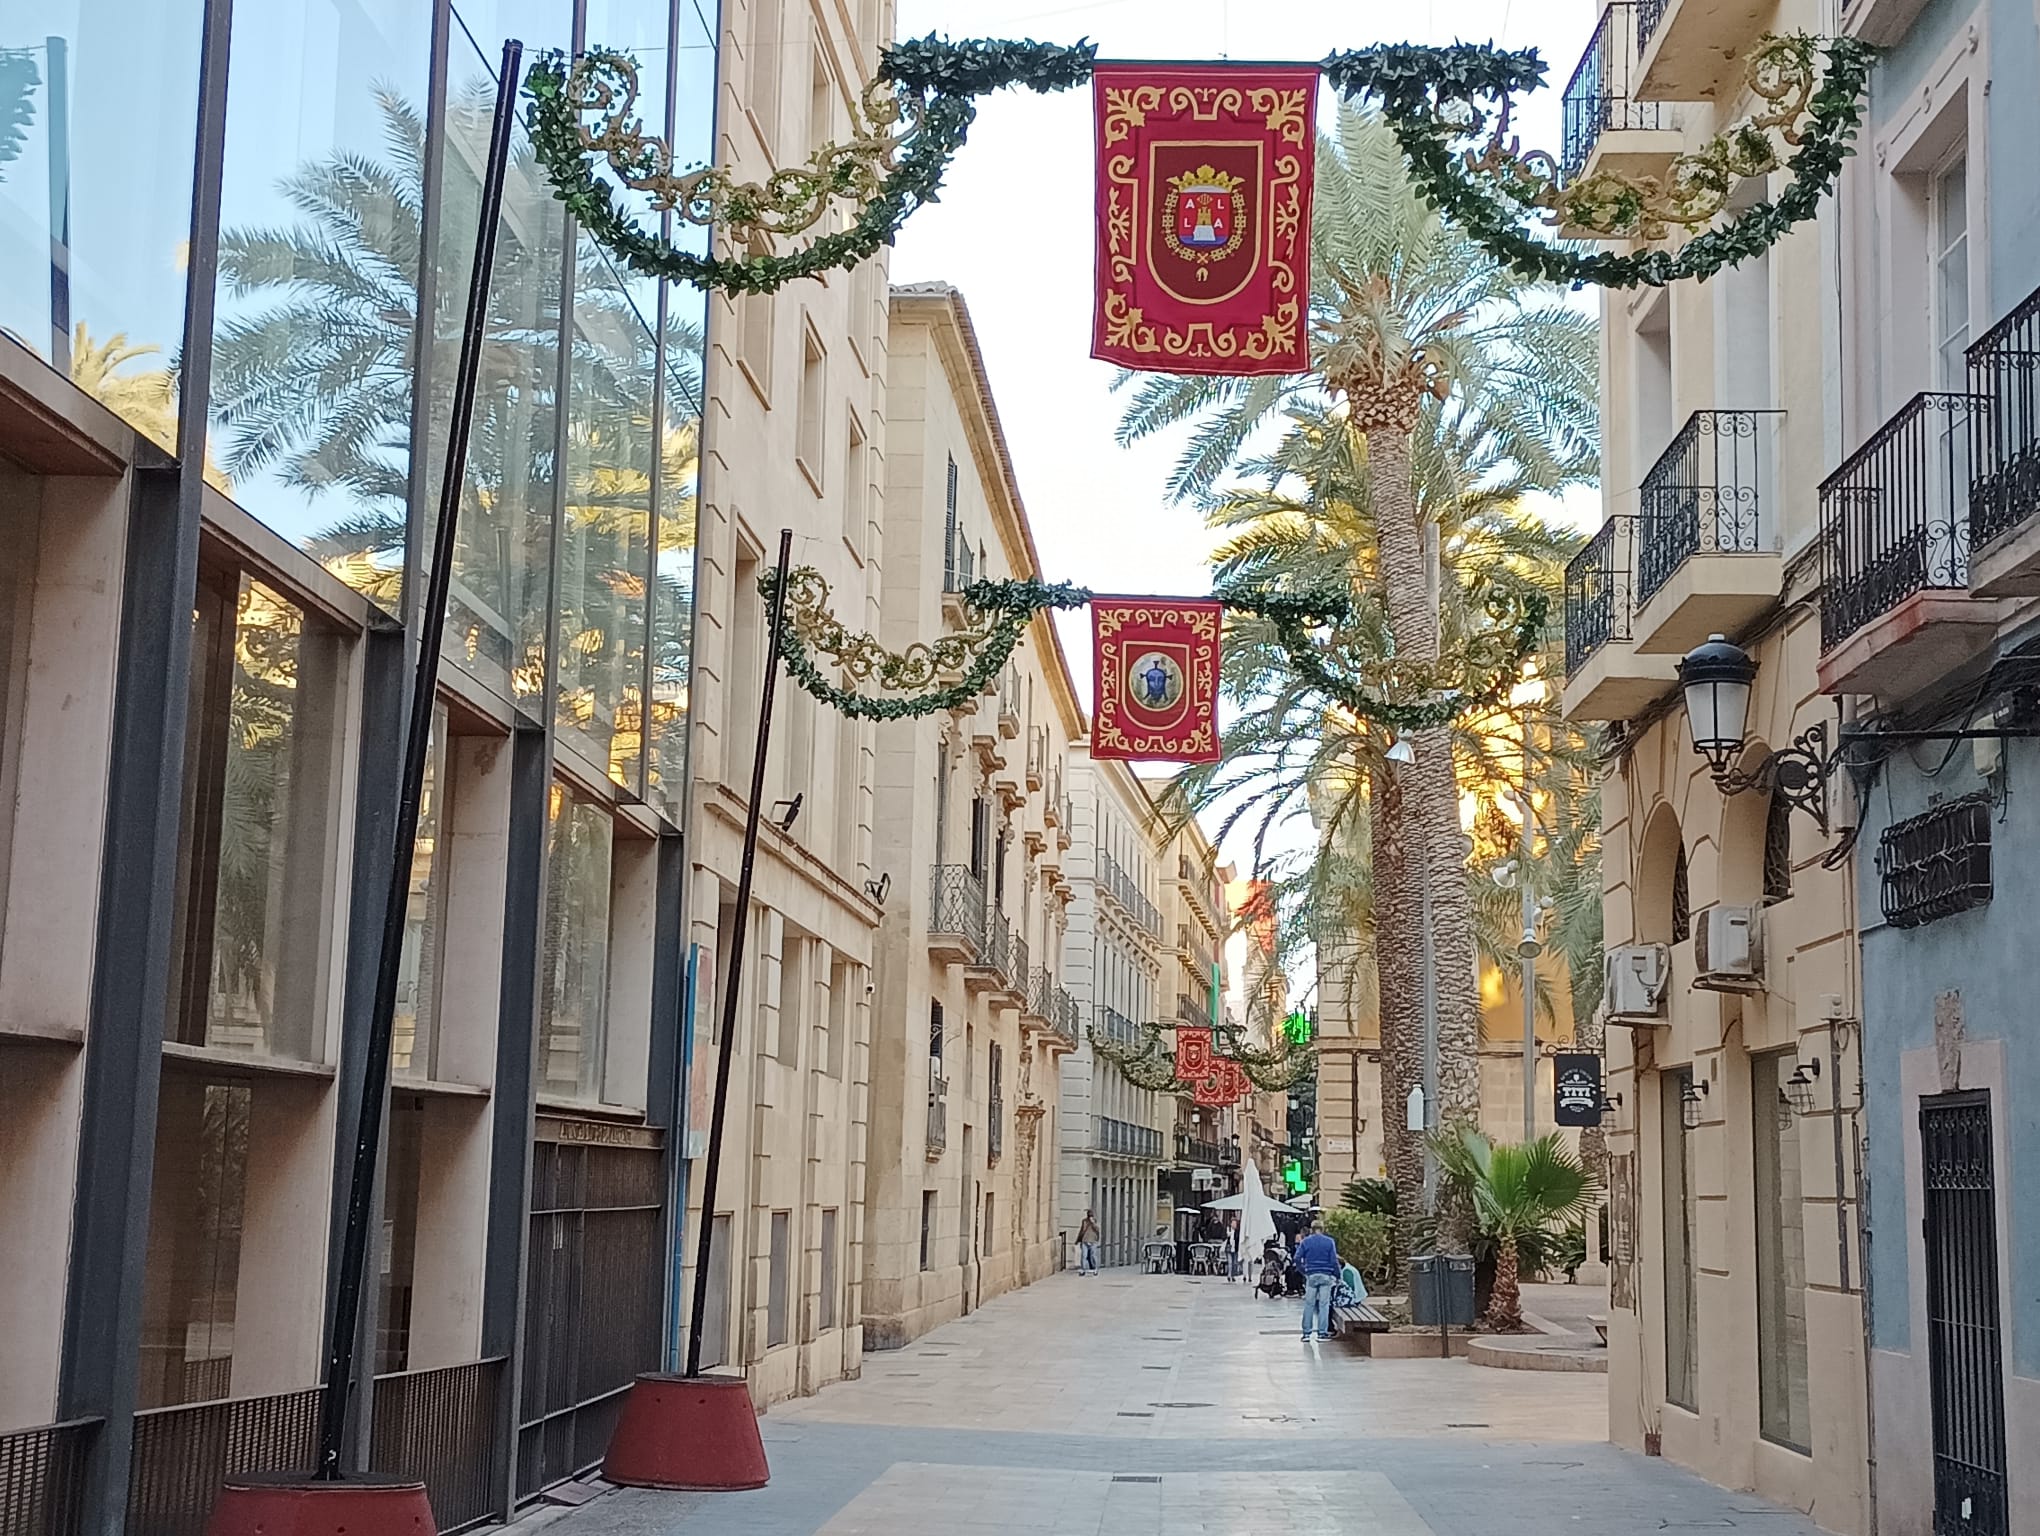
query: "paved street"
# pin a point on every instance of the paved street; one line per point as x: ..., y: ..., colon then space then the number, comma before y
x: 1135, y: 1405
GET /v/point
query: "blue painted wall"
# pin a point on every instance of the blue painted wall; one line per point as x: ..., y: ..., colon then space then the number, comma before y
x: 1991, y: 955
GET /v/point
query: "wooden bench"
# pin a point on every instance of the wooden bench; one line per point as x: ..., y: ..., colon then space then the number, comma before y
x: 1360, y: 1322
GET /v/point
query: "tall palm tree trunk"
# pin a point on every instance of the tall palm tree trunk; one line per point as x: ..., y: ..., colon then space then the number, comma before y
x: 1505, y: 1303
x: 1421, y: 834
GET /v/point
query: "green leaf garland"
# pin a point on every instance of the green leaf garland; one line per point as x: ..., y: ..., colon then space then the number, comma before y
x: 1432, y: 98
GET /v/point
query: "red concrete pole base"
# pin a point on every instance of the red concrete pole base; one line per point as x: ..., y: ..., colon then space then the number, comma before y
x: 294, y: 1504
x: 698, y: 1433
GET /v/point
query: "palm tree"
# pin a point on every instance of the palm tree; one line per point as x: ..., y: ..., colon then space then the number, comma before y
x: 1516, y: 1191
x: 1405, y: 312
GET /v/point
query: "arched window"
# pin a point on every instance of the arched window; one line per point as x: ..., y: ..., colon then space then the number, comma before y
x: 1777, y: 850
x: 1682, y: 901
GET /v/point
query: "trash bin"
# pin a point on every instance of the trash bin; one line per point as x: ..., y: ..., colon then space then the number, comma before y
x: 1441, y: 1290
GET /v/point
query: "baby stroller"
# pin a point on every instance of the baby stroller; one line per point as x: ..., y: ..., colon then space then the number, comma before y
x: 1274, y: 1271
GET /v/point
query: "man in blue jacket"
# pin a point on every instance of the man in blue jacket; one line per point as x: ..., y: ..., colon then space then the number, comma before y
x: 1318, y: 1257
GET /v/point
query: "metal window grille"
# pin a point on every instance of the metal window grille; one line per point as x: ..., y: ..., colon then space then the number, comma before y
x: 1777, y: 849
x: 1936, y: 864
x: 1682, y: 900
x: 1965, y: 1347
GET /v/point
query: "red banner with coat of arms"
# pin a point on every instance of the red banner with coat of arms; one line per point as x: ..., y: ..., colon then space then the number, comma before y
x: 1203, y: 197
x: 1154, y: 678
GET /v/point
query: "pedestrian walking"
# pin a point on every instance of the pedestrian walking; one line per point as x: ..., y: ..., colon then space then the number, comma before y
x: 1318, y: 1257
x: 1087, y: 1245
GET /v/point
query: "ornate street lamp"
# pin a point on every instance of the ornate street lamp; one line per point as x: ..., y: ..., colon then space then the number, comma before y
x: 1716, y: 679
x: 1692, y: 1097
x: 1799, y: 1086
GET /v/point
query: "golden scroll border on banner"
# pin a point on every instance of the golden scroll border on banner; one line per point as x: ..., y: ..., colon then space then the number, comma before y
x: 1110, y: 737
x: 1285, y: 115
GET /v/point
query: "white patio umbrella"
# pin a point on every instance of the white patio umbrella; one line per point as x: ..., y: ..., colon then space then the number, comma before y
x: 1257, y: 1214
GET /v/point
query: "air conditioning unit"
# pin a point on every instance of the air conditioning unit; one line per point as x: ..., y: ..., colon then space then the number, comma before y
x: 1637, y: 974
x: 1728, y: 949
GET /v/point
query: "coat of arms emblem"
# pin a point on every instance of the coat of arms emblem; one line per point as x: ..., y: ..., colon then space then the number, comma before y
x: 1204, y: 217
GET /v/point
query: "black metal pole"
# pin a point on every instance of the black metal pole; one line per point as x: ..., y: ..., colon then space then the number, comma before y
x: 698, y: 1314
x: 417, y: 740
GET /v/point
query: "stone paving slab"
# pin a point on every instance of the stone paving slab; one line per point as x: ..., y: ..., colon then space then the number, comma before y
x: 1249, y: 1431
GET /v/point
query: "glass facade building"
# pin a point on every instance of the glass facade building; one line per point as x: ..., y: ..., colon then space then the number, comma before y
x: 235, y: 249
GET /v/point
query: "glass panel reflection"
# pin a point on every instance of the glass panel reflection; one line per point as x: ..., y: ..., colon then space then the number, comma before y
x: 257, y: 873
x: 98, y: 134
x: 321, y: 217
x: 574, y: 991
x: 414, y: 1046
x: 496, y: 616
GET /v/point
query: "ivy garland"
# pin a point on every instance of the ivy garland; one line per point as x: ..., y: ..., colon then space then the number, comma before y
x: 1295, y: 615
x: 1464, y: 188
x: 936, y: 82
x: 997, y: 614
x: 1432, y: 98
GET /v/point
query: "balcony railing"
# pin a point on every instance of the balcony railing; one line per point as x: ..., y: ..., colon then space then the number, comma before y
x: 998, y: 945
x: 1041, y: 991
x: 2004, y: 368
x: 1125, y: 890
x: 959, y: 560
x: 1207, y: 1154
x: 1019, y: 969
x: 1705, y: 494
x: 1892, y: 517
x: 181, y: 1454
x: 1065, y: 1016
x: 1648, y: 14
x: 1597, y: 98
x: 956, y: 903
x: 1117, y: 1027
x: 1122, y: 1138
x: 42, y: 1478
x: 1192, y: 1010
x: 1597, y: 585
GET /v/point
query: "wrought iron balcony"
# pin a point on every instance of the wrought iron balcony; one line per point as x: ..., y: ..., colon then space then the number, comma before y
x: 956, y: 909
x: 1648, y: 14
x: 1122, y: 1138
x: 1207, y: 1154
x: 1065, y: 1016
x: 997, y: 953
x: 1597, y: 583
x: 1117, y: 1027
x: 1599, y: 98
x: 1704, y: 495
x: 1892, y: 517
x: 2004, y: 369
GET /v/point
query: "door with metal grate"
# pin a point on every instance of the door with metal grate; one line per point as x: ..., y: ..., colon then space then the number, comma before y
x: 1964, y: 1349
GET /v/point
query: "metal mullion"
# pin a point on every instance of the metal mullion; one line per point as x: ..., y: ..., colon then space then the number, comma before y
x: 100, y: 1361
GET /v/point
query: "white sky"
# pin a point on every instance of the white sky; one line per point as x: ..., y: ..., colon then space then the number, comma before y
x: 1099, y: 512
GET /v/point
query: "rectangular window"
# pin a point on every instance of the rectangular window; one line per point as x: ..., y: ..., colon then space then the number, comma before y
x: 400, y: 1231
x: 764, y: 69
x: 980, y: 822
x: 573, y: 1020
x: 825, y: 1313
x: 810, y: 440
x: 257, y: 873
x: 841, y: 978
x: 777, y: 1284
x: 793, y: 989
x: 855, y: 506
x: 990, y: 1230
x: 934, y: 1046
x: 1949, y: 233
x: 927, y: 1225
x: 1783, y: 1400
x: 192, y: 1273
x: 746, y: 671
x: 715, y: 1322
x: 821, y: 95
x: 1682, y: 1332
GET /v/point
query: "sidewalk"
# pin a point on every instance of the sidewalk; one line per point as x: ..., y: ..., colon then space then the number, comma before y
x: 1137, y: 1405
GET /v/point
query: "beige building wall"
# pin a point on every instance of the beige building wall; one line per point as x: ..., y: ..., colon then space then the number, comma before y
x: 1116, y: 1136
x: 1687, y: 1206
x: 971, y: 1012
x: 794, y: 437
